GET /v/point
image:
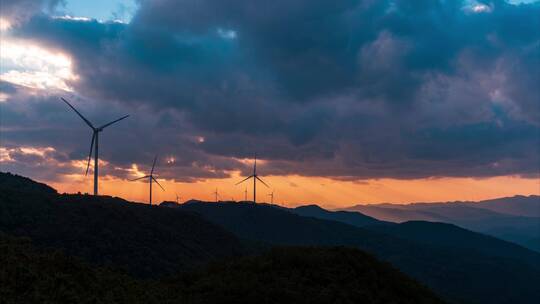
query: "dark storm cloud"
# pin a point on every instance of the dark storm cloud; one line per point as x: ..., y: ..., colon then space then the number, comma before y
x: 42, y: 121
x: 347, y: 89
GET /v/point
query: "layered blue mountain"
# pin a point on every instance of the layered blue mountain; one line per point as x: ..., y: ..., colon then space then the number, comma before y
x: 353, y: 218
x: 459, y: 273
x: 515, y: 219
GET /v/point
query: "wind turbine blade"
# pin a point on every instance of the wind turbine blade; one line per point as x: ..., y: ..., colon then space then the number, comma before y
x: 114, y: 121
x: 158, y: 183
x: 153, y: 165
x: 138, y: 178
x: 90, y: 154
x: 262, y: 181
x: 245, y: 179
x: 80, y: 115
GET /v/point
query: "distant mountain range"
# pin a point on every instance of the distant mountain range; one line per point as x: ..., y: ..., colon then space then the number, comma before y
x: 353, y: 218
x: 460, y: 271
x: 137, y: 241
x: 516, y: 219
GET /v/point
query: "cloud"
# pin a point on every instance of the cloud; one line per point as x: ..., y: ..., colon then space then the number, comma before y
x: 21, y: 10
x: 34, y: 67
x: 348, y: 89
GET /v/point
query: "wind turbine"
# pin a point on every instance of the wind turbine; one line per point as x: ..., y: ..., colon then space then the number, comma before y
x: 177, y: 198
x: 245, y: 195
x: 150, y: 179
x: 95, y: 138
x: 255, y: 178
x: 216, y: 194
x: 271, y: 197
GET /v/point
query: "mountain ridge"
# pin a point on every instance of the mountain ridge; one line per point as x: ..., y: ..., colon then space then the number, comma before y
x: 442, y: 268
x: 485, y: 216
x: 153, y: 239
x: 111, y: 231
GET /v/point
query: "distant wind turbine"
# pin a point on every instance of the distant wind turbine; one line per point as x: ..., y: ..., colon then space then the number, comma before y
x: 216, y: 194
x: 151, y: 179
x: 95, y: 138
x: 271, y: 197
x: 255, y: 178
x: 177, y: 198
x: 245, y: 195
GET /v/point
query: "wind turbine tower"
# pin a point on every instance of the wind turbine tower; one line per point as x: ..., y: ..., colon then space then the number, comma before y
x: 271, y: 197
x: 216, y: 194
x: 151, y: 179
x: 95, y: 139
x: 255, y: 178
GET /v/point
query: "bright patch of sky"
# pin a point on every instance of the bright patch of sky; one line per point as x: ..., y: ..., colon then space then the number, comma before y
x: 104, y: 10
x: 33, y: 66
x: 36, y: 67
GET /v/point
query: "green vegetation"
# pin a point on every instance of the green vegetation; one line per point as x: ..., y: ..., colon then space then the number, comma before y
x: 303, y: 275
x: 283, y: 275
x: 30, y: 276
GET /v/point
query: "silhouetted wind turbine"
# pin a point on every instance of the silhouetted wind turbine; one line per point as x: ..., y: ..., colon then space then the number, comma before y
x: 177, y: 198
x: 95, y: 138
x: 245, y: 195
x: 216, y: 194
x: 150, y: 179
x: 255, y: 178
x: 271, y: 197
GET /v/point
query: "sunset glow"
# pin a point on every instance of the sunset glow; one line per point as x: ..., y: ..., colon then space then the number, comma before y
x: 296, y: 190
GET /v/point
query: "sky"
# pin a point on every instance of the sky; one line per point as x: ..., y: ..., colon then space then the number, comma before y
x: 343, y: 102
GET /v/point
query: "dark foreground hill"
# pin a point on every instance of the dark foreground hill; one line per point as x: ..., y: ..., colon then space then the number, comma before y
x: 30, y: 276
x: 146, y: 241
x: 458, y: 274
x: 283, y: 275
x: 155, y: 241
x: 304, y: 275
